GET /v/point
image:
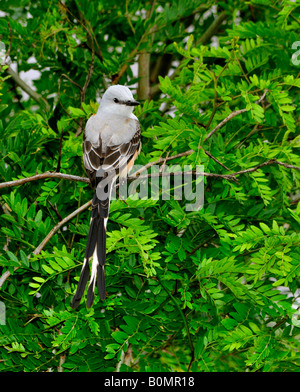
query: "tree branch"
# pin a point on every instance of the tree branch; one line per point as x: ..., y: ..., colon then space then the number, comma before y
x: 267, y: 163
x: 42, y: 176
x: 230, y: 176
x: 166, y: 174
x: 136, y: 175
x: 160, y: 160
x: 231, y: 115
x: 24, y: 86
x: 59, y: 225
x: 132, y: 177
x: 70, y: 80
x: 48, y: 237
x: 143, y: 89
x: 90, y: 72
x: 212, y: 29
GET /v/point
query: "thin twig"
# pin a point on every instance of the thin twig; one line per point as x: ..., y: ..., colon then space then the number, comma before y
x: 231, y: 115
x: 86, y: 84
x: 86, y: 180
x: 59, y: 225
x: 59, y: 151
x: 179, y: 173
x: 215, y: 159
x: 54, y: 208
x: 220, y: 125
x: 160, y: 160
x: 70, y: 80
x: 48, y: 237
x: 58, y: 95
x: 269, y: 162
x: 184, y: 320
x: 90, y: 71
x: 230, y: 176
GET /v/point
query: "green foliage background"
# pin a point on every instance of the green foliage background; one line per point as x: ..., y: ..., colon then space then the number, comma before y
x: 208, y: 290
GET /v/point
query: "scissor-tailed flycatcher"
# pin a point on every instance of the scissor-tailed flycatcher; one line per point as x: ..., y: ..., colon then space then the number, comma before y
x: 111, y: 143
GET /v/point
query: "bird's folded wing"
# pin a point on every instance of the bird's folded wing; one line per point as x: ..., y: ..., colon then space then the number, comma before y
x: 110, y: 157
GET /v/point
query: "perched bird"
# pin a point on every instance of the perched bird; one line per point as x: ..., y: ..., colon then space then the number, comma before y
x: 111, y: 143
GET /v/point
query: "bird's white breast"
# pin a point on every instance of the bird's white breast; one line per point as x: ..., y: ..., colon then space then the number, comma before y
x: 112, y: 129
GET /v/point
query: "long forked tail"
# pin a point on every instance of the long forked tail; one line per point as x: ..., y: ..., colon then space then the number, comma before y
x: 96, y: 248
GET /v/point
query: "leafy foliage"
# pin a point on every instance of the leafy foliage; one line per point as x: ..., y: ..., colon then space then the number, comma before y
x: 208, y: 290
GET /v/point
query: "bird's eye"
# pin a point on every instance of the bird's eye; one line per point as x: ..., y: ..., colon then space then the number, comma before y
x: 116, y: 100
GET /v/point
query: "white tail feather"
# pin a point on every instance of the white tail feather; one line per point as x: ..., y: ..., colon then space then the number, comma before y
x: 94, y: 269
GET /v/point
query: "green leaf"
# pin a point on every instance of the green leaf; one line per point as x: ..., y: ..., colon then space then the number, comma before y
x: 119, y: 336
x: 47, y: 269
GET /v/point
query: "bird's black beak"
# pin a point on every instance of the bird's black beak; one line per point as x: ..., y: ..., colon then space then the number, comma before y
x: 132, y: 103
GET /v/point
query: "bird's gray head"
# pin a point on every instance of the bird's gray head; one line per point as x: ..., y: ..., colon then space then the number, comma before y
x: 119, y: 100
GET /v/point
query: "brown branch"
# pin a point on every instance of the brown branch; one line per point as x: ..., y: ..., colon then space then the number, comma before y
x: 54, y: 208
x: 160, y: 160
x: 86, y: 84
x: 166, y: 174
x: 132, y: 177
x: 267, y: 163
x: 59, y: 225
x: 135, y: 175
x: 230, y: 176
x: 5, y: 276
x: 215, y: 159
x: 42, y: 176
x: 90, y: 72
x: 231, y: 115
x: 220, y: 125
x: 182, y: 154
x: 59, y: 151
x: 48, y: 237
x: 88, y: 44
x: 58, y: 95
x: 116, y: 78
x: 70, y: 80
